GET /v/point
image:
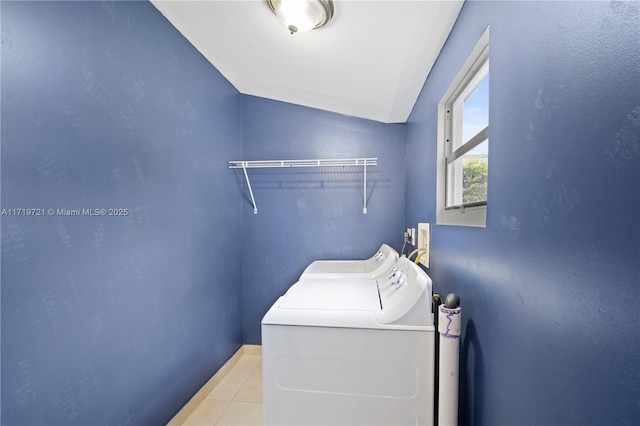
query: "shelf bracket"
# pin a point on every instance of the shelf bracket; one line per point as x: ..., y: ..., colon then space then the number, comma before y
x: 246, y: 176
x: 364, y: 195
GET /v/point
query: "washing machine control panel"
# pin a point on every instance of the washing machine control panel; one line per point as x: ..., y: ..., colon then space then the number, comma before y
x: 394, y: 279
x: 405, y: 294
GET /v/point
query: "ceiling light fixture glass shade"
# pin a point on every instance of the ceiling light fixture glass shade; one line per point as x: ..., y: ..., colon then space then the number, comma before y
x: 302, y: 15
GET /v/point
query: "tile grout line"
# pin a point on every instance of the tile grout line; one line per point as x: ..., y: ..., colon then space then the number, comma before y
x: 198, y: 399
x: 217, y: 422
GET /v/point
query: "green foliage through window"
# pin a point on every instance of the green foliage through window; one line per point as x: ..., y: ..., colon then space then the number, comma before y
x: 474, y: 180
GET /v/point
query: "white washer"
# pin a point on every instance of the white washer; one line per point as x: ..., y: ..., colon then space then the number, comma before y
x: 357, y: 353
x: 370, y: 268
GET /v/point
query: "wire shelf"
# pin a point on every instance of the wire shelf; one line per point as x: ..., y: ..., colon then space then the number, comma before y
x: 324, y: 162
x: 262, y: 164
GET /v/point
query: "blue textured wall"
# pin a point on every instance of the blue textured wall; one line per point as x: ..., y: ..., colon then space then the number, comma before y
x: 119, y: 320
x: 309, y: 214
x: 114, y: 320
x: 551, y: 287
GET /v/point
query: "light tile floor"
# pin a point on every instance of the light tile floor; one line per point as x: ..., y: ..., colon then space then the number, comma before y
x: 232, y: 397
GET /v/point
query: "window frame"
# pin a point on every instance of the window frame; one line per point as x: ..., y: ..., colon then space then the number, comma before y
x: 474, y: 70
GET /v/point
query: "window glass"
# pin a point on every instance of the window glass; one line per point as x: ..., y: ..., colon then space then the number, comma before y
x: 475, y: 110
x: 469, y: 175
x: 467, y: 157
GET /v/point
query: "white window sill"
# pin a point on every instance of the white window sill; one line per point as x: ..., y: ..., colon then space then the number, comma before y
x: 470, y: 216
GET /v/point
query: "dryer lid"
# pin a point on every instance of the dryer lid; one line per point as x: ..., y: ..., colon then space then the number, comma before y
x: 370, y: 268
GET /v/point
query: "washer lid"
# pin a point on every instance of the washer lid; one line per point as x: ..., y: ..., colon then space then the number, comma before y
x: 361, y: 295
x: 327, y: 304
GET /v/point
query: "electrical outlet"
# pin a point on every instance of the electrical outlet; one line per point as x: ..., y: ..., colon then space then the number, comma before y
x: 424, y: 234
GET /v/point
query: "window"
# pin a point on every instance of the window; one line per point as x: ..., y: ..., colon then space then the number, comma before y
x: 463, y: 143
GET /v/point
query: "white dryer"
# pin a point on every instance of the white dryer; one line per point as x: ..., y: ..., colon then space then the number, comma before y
x: 371, y: 268
x: 351, y: 353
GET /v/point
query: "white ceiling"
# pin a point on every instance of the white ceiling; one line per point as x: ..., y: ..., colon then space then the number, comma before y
x: 370, y: 61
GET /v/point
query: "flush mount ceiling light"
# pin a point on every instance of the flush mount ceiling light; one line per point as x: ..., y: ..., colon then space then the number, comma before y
x: 302, y: 15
